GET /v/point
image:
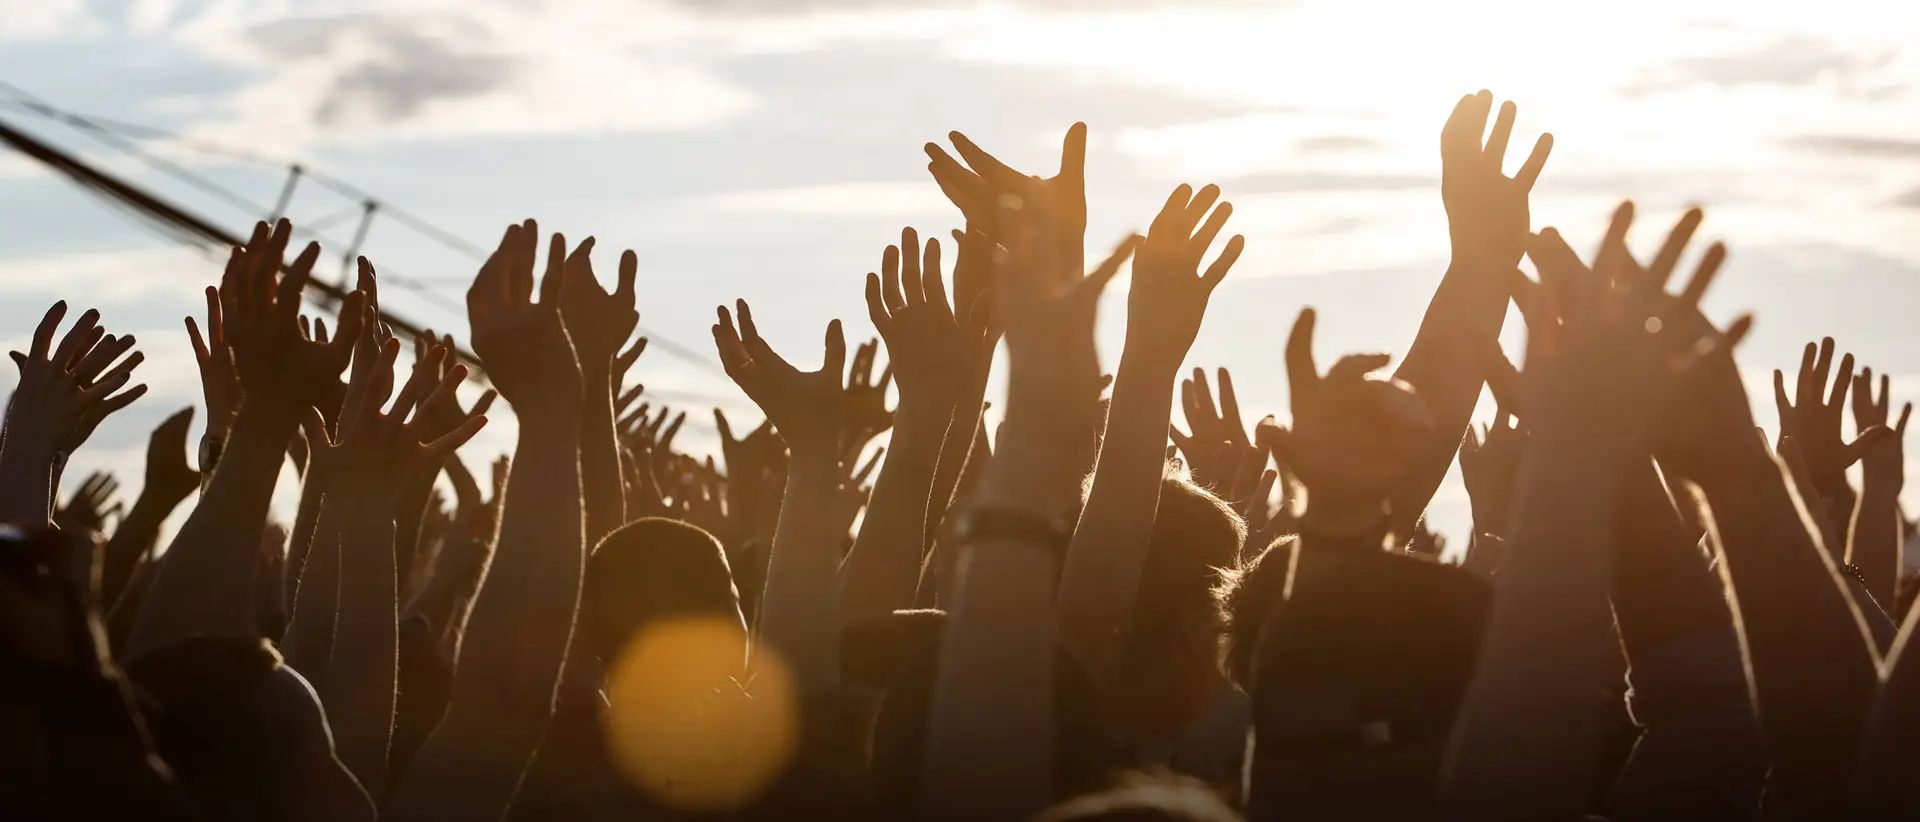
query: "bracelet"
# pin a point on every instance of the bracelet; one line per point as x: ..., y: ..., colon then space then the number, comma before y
x: 1852, y: 570
x: 979, y: 523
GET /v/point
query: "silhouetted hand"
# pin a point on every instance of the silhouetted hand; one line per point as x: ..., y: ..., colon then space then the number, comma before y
x: 1623, y: 356
x: 379, y: 454
x: 930, y: 351
x: 1487, y: 215
x: 1885, y: 462
x: 169, y: 479
x: 1169, y: 295
x: 260, y: 319
x: 524, y: 344
x: 978, y: 192
x: 219, y: 379
x: 445, y: 414
x: 1816, y: 422
x: 1352, y: 438
x: 865, y: 414
x: 90, y: 505
x: 621, y: 365
x: 1217, y: 432
x: 805, y: 407
x: 65, y: 392
x: 1489, y: 464
x: 748, y: 460
x: 598, y: 322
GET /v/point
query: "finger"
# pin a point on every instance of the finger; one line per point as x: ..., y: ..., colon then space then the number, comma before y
x: 1197, y: 208
x: 910, y: 268
x: 1863, y: 443
x: 1780, y: 402
x: 287, y: 296
x: 1496, y: 149
x: 1802, y: 390
x: 320, y: 330
x: 1905, y: 411
x: 1842, y: 380
x: 1669, y: 255
x: 1822, y: 369
x: 877, y: 308
x: 1356, y: 366
x: 1884, y: 402
x: 106, y: 350
x: 1230, y: 410
x: 1203, y: 238
x: 1703, y: 274
x: 1097, y: 280
x: 932, y: 284
x: 627, y: 399
x: 726, y: 431
x: 425, y: 373
x: 1529, y: 172
x: 673, y: 430
x: 1302, y: 375
x: 836, y: 349
x: 43, y: 334
x: 890, y: 280
x: 1228, y: 256
x: 1203, y: 399
x: 1172, y: 211
x: 629, y: 271
x: 1459, y: 129
x: 444, y: 447
x: 482, y: 405
x: 78, y: 340
x: 1613, y: 262
x: 996, y: 173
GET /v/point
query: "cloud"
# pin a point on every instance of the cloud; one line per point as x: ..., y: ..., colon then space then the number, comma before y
x: 479, y: 68
x: 1910, y: 199
x: 1858, y: 146
x: 879, y: 199
x: 1301, y: 182
x: 791, y: 7
x: 1794, y: 60
x: 1335, y: 144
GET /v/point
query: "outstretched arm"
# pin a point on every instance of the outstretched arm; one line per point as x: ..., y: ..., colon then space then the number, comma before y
x: 169, y: 481
x: 63, y: 393
x: 799, y: 614
x: 1874, y: 547
x: 1524, y: 723
x: 1165, y: 305
x: 931, y: 353
x: 990, y: 742
x: 205, y: 585
x: 521, y: 628
x: 598, y: 323
x: 1487, y: 219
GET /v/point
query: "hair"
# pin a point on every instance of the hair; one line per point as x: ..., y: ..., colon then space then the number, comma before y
x: 1196, y: 540
x: 1396, y: 634
x: 226, y: 713
x: 1145, y: 798
x: 651, y: 570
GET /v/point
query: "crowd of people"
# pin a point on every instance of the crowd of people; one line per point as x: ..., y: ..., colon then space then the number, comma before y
x: 1096, y: 610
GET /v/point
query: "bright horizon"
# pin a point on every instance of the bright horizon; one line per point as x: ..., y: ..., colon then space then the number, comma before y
x: 770, y: 150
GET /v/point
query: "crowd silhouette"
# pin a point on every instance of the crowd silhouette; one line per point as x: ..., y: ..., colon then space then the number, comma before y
x: 1097, y: 610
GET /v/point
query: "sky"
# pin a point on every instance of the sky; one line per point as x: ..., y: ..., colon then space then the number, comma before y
x: 770, y: 149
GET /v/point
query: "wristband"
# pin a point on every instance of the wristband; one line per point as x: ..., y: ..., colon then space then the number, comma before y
x: 976, y: 524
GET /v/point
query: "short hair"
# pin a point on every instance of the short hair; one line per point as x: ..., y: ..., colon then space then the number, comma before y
x: 1397, y: 635
x: 1196, y: 539
x: 651, y: 570
x: 1141, y: 797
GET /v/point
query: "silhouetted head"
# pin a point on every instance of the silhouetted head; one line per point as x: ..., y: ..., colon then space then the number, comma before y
x: 1145, y: 798
x: 1356, y: 663
x: 1169, y: 673
x: 1086, y: 756
x: 244, y: 733
x: 653, y: 570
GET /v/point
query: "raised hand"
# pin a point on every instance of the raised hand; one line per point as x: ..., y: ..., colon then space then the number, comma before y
x: 523, y: 343
x: 444, y: 414
x: 1489, y: 464
x: 169, y: 479
x: 1812, y: 416
x: 929, y: 350
x: 1217, y: 432
x: 865, y: 412
x: 378, y: 454
x: 278, y: 366
x: 219, y: 379
x: 1487, y: 214
x: 748, y: 460
x: 65, y: 392
x: 1352, y: 437
x: 598, y: 322
x: 621, y: 365
x: 1169, y: 295
x: 90, y: 505
x: 978, y: 190
x: 1885, y: 461
x: 805, y: 407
